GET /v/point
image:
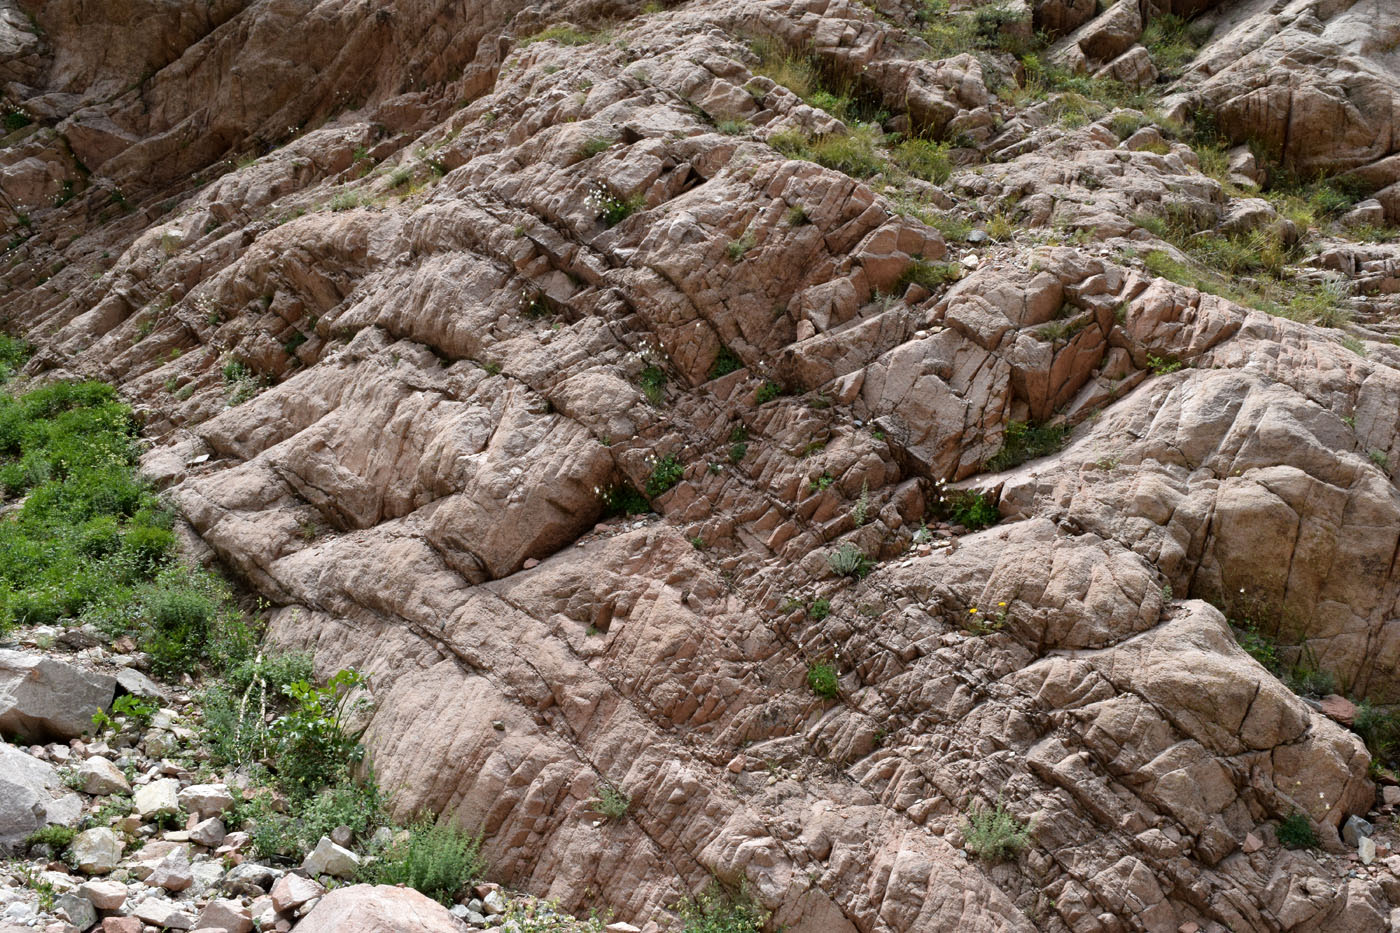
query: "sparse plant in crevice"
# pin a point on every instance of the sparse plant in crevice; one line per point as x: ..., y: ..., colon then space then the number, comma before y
x: 726, y: 362
x: 767, y: 392
x: 1022, y: 441
x: 652, y: 379
x: 611, y: 801
x: 1295, y: 832
x: 860, y: 512
x: 821, y: 678
x: 716, y: 911
x: 623, y: 499
x: 994, y: 834
x: 970, y: 508
x: 665, y: 473
x: 436, y: 859
x: 849, y: 560
x: 820, y: 609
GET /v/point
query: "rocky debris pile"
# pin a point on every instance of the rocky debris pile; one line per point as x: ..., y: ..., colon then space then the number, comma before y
x: 127, y: 832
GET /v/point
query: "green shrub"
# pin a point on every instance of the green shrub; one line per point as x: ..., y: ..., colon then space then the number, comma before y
x: 624, y: 499
x: 1295, y: 832
x: 561, y: 34
x: 437, y: 860
x: 821, y: 677
x: 1022, y: 441
x: 931, y: 275
x: 924, y: 158
x: 715, y: 911
x: 653, y: 383
x: 179, y: 622
x: 994, y: 835
x: 849, y: 560
x: 820, y: 609
x: 312, y: 743
x: 967, y: 507
x: 612, y: 802
x: 13, y: 354
x: 726, y: 362
x: 767, y: 392
x: 665, y: 473
x: 57, y: 838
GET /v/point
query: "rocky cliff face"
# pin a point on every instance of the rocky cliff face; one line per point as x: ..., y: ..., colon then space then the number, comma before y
x: 410, y: 293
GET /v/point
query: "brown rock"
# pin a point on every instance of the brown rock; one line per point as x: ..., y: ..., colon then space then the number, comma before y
x: 363, y: 908
x: 1338, y: 708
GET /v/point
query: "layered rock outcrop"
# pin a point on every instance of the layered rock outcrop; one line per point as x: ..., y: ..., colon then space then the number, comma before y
x: 405, y: 300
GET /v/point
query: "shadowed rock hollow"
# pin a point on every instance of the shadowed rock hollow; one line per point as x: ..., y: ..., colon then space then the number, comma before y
x: 403, y: 298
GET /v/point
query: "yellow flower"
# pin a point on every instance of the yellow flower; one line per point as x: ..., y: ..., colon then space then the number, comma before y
x: 1001, y: 604
x: 972, y: 610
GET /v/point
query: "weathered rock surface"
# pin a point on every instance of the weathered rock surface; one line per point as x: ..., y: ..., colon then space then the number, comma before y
x: 440, y: 347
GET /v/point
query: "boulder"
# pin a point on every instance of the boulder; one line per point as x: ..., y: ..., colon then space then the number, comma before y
x: 105, y: 895
x: 209, y: 833
x: 25, y: 793
x: 292, y: 890
x: 79, y: 911
x: 363, y: 908
x: 171, y: 873
x: 157, y: 798
x: 165, y: 914
x: 96, y: 851
x: 227, y: 915
x: 45, y: 699
x: 330, y: 859
x: 206, y: 800
x: 97, y: 775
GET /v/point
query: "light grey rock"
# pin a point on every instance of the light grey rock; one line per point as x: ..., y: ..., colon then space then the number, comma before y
x: 160, y: 912
x: 206, y: 800
x: 158, y: 743
x: 209, y: 833
x: 157, y: 797
x: 43, y: 698
x: 78, y: 911
x: 135, y: 682
x: 261, y: 876
x: 1354, y: 829
x: 493, y: 904
x: 330, y: 859
x: 291, y: 891
x: 100, y: 776
x: 1366, y: 849
x: 27, y: 788
x: 96, y: 851
x: 172, y: 872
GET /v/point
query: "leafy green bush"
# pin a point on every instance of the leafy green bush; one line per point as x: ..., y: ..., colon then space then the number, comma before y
x: 967, y: 507
x: 438, y: 860
x: 312, y: 742
x: 665, y: 473
x: 653, y: 383
x: 1022, y: 441
x: 1295, y: 832
x: 767, y: 392
x: 726, y: 362
x: 715, y: 911
x: 931, y: 275
x: 624, y: 499
x: 821, y: 677
x: 820, y: 609
x: 57, y: 838
x: 13, y: 353
x: 995, y: 834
